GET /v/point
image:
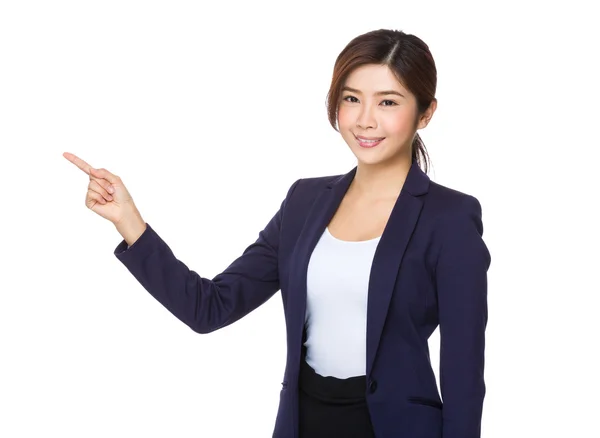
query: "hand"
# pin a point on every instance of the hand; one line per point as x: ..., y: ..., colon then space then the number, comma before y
x: 106, y: 195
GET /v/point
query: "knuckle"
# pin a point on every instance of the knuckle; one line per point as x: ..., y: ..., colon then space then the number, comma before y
x: 92, y: 196
x: 97, y: 186
x: 100, y: 188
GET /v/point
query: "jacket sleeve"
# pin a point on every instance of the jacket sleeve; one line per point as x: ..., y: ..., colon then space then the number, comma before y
x: 203, y: 304
x: 461, y: 279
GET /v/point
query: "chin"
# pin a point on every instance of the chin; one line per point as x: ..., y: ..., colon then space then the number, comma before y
x: 369, y: 161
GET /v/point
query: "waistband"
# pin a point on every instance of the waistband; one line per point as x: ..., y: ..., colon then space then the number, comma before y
x: 331, y: 389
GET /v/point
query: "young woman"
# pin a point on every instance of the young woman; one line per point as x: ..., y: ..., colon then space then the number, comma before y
x: 369, y: 263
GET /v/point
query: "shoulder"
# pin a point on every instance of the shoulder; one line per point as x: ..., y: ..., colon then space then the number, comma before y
x: 454, y: 211
x: 458, y: 225
x: 308, y: 188
x: 458, y: 230
x: 318, y: 182
x: 447, y: 202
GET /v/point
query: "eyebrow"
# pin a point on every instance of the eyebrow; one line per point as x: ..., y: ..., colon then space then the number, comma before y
x: 378, y: 93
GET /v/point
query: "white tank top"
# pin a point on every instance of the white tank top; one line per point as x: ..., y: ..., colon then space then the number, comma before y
x: 336, y: 307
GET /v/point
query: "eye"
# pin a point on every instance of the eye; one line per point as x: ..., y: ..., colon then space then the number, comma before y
x: 350, y: 97
x: 391, y: 102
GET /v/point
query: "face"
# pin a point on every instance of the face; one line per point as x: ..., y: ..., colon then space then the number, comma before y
x: 377, y: 116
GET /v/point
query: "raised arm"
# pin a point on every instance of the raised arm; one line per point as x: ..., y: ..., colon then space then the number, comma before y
x: 203, y: 304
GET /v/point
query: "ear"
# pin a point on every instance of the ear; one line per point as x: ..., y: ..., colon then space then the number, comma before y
x: 427, y: 115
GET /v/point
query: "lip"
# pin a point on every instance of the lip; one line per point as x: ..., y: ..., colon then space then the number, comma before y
x: 362, y: 137
x: 368, y: 144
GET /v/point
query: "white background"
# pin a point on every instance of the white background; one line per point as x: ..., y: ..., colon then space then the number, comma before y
x: 209, y: 113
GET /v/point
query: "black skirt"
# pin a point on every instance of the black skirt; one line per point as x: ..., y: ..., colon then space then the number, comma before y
x: 332, y: 407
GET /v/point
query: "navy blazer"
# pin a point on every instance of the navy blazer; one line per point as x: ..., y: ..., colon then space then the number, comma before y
x: 430, y: 268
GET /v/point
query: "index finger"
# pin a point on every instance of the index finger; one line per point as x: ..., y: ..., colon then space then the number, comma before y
x: 78, y: 162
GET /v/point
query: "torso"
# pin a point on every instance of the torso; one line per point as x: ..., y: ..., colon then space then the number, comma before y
x: 358, y: 219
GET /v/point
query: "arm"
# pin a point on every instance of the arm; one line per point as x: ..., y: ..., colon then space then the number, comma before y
x: 206, y: 305
x: 461, y: 278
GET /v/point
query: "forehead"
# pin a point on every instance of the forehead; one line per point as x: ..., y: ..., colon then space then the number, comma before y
x: 371, y: 78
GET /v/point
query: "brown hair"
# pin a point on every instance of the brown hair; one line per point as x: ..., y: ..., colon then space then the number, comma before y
x: 407, y: 56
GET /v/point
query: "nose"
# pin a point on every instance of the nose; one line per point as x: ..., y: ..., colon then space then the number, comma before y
x: 366, y: 118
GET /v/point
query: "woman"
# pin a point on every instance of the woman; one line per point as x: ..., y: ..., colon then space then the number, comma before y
x: 368, y: 264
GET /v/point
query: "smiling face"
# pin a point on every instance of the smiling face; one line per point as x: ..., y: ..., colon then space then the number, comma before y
x: 377, y: 116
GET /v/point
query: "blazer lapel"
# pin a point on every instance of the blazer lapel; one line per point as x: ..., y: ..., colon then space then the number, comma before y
x: 317, y: 219
x: 389, y: 254
x: 387, y: 259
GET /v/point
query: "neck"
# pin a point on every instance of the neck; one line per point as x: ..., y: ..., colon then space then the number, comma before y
x: 381, y: 180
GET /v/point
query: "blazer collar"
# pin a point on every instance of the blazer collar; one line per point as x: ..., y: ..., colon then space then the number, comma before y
x: 416, y: 184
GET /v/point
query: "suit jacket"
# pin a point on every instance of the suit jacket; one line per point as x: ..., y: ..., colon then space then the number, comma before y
x: 429, y: 269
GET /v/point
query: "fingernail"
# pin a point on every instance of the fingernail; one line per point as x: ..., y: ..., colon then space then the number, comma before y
x: 110, y: 189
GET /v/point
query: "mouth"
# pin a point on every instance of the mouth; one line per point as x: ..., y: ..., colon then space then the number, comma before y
x: 368, y: 142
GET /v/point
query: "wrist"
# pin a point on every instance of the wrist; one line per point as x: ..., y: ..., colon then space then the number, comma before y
x: 131, y: 228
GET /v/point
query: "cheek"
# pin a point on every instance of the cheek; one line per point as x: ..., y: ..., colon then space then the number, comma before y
x: 344, y: 117
x: 396, y: 125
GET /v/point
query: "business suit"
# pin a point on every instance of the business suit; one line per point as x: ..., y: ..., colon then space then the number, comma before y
x: 430, y: 268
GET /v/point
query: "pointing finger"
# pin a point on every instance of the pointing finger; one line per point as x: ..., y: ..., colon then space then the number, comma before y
x: 78, y: 162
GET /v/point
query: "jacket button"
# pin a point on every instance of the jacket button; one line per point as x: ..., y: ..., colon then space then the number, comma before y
x: 372, y: 386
